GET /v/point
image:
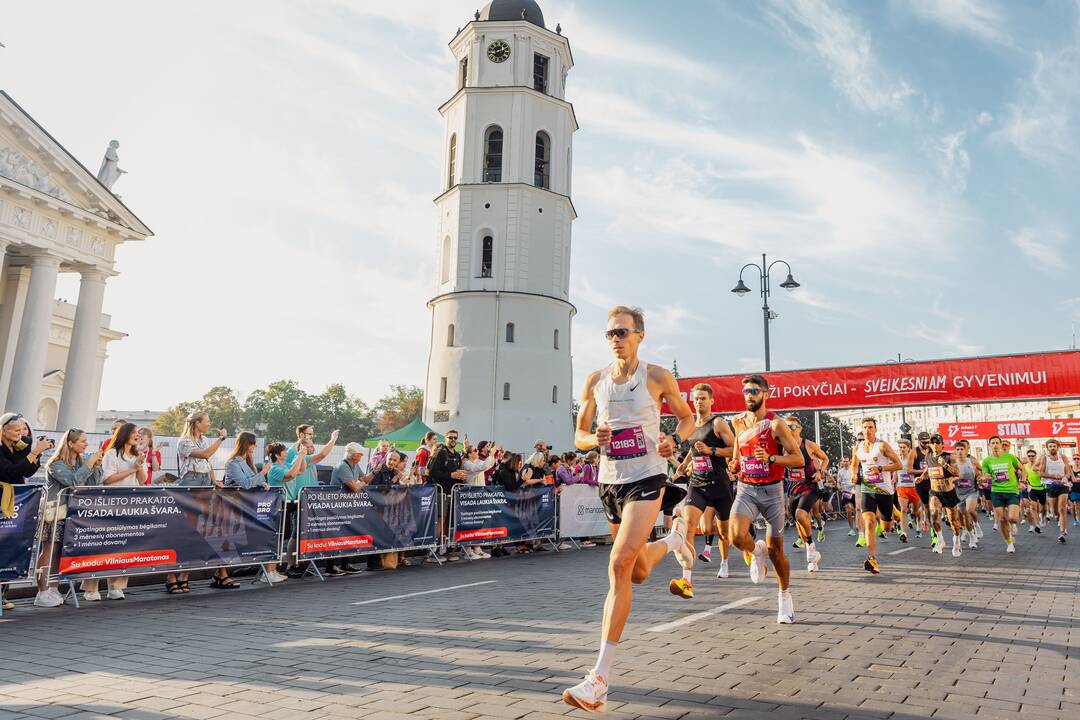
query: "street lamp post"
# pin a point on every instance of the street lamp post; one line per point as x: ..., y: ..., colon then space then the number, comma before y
x: 904, y: 427
x: 767, y: 314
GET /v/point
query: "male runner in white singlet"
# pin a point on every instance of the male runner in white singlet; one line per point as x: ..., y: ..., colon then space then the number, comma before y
x: 624, y: 399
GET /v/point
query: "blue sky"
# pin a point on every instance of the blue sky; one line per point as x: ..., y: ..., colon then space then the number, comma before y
x: 915, y: 161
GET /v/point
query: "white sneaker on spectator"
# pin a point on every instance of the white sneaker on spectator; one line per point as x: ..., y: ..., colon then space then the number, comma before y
x: 588, y: 543
x: 471, y: 554
x: 115, y: 595
x: 565, y: 546
x: 91, y: 596
x: 44, y: 598
x: 480, y: 553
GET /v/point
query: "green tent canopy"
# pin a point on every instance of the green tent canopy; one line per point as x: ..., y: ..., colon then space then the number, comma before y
x: 409, y: 437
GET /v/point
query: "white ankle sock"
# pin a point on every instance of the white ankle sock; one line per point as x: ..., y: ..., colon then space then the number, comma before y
x: 673, y: 540
x: 603, y: 662
x: 686, y: 575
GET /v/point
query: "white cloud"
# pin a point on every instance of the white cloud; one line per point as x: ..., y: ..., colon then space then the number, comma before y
x: 847, y: 50
x: 979, y: 18
x: 984, y: 119
x: 954, y: 163
x: 943, y: 328
x: 1041, y: 124
x: 1043, y: 247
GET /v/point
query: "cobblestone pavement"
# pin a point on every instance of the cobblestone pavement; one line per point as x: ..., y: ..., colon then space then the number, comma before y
x: 984, y: 635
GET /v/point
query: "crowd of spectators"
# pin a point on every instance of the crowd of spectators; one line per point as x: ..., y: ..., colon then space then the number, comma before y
x: 131, y: 457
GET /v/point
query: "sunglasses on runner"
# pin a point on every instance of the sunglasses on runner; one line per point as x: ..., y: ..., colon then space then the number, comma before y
x: 752, y: 391
x: 621, y: 333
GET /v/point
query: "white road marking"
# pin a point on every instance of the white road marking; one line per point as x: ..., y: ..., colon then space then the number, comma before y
x: 901, y: 550
x: 424, y: 592
x: 708, y: 613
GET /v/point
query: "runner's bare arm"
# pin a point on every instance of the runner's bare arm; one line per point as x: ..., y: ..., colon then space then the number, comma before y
x: 792, y: 456
x: 723, y: 431
x: 888, y: 452
x: 584, y: 437
x: 1040, y: 464
x: 663, y: 387
x: 816, y: 452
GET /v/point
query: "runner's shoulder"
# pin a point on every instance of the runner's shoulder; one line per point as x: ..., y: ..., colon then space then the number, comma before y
x: 592, y: 380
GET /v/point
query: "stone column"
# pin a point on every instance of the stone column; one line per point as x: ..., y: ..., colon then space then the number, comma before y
x: 25, y: 391
x: 77, y: 400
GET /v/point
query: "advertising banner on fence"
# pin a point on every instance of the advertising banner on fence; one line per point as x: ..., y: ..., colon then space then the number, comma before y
x: 113, y: 531
x: 492, y: 513
x: 1052, y: 428
x: 1007, y: 377
x: 581, y: 514
x: 338, y: 523
x: 17, y: 533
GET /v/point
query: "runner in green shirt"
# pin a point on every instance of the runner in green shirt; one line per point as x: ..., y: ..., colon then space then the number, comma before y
x: 1005, y: 490
x: 1036, y: 496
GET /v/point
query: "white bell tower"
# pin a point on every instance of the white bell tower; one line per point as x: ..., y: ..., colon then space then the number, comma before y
x: 499, y: 365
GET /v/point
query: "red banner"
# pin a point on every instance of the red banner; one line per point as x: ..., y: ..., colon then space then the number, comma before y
x: 1053, y: 428
x: 1034, y: 376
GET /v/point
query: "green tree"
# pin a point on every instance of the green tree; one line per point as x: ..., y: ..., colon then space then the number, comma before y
x: 831, y: 430
x: 404, y: 404
x: 276, y: 411
x: 338, y: 409
x: 219, y: 402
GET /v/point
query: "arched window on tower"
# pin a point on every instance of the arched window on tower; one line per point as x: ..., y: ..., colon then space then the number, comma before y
x: 487, y: 256
x: 542, y: 166
x: 555, y: 393
x: 444, y: 266
x: 451, y: 163
x: 509, y: 332
x: 450, y: 335
x: 506, y: 391
x: 493, y: 152
x: 463, y: 77
x: 556, y: 339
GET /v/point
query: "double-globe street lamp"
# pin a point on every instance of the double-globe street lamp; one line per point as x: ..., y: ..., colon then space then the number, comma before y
x: 763, y: 276
x: 904, y: 427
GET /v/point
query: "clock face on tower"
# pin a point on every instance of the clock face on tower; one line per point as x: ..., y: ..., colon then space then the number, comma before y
x: 498, y: 51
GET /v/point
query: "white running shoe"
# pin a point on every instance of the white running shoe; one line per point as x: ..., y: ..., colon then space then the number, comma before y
x: 973, y: 542
x: 758, y: 569
x: 785, y: 615
x: 115, y: 595
x: 44, y: 598
x: 813, y: 561
x: 590, y: 694
x: 91, y: 596
x: 1031, y: 529
x: 723, y: 571
x: 978, y: 531
x: 956, y: 551
x: 1010, y: 548
x: 939, y: 546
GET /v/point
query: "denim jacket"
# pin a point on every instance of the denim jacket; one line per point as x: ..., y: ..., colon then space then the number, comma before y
x: 239, y: 474
x: 59, y: 475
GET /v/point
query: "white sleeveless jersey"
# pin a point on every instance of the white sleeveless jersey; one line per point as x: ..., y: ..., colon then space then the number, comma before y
x: 875, y: 480
x: 1057, y: 467
x: 634, y: 417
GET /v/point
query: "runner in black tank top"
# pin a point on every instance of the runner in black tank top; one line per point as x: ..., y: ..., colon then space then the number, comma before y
x: 922, y: 483
x: 710, y: 496
x: 804, y: 491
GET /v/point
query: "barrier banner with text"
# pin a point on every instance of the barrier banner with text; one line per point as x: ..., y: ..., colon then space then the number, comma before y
x: 129, y: 530
x: 1052, y: 428
x: 17, y: 533
x: 1034, y: 376
x: 336, y: 523
x: 482, y: 514
x: 581, y: 514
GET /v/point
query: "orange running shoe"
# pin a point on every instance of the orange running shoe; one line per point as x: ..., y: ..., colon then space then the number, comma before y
x: 681, y: 588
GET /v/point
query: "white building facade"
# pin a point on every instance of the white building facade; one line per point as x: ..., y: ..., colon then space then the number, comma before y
x: 55, y: 217
x: 499, y: 365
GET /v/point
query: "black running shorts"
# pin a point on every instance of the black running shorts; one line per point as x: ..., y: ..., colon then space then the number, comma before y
x: 1038, y: 496
x: 717, y: 495
x: 879, y: 503
x: 804, y: 502
x: 1055, y: 491
x: 923, y: 488
x: 948, y: 498
x: 615, y: 496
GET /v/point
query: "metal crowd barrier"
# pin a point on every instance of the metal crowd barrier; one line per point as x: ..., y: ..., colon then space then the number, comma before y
x: 35, y: 553
x: 66, y: 493
x: 311, y: 559
x: 452, y: 526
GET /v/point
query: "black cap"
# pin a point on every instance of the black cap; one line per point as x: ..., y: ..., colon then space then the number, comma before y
x: 935, y: 438
x: 924, y: 435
